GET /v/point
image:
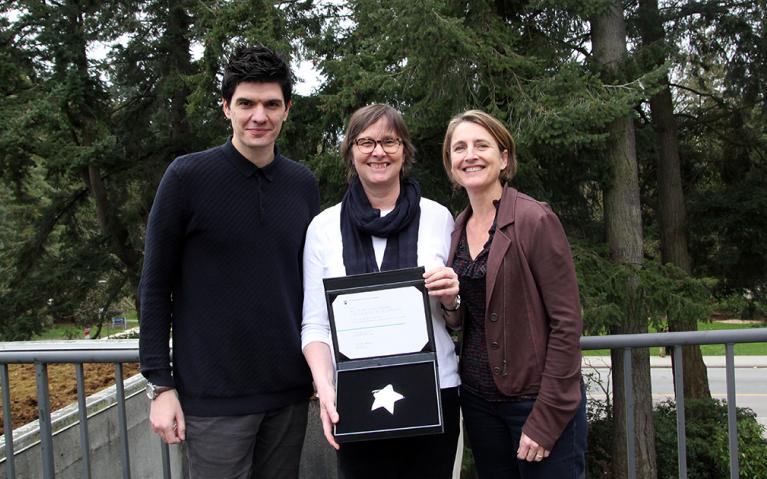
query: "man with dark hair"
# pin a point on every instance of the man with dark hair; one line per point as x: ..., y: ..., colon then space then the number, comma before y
x: 222, y: 271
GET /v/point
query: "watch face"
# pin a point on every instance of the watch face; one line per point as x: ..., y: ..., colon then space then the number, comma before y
x: 152, y: 390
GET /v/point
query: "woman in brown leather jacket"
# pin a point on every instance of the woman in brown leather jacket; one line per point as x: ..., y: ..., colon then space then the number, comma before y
x: 522, y: 395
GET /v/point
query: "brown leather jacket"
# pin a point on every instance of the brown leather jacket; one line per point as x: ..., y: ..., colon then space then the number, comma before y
x: 533, y: 316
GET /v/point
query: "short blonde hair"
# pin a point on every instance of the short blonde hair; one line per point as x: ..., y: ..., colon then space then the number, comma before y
x: 496, y: 129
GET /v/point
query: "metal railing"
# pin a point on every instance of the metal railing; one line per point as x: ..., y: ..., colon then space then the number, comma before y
x: 43, y: 353
x: 628, y: 342
x: 119, y: 352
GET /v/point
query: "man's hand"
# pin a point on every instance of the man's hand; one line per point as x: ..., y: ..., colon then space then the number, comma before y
x: 530, y: 450
x: 167, y: 418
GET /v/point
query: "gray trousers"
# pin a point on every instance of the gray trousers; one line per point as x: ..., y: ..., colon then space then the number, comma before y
x: 254, y: 446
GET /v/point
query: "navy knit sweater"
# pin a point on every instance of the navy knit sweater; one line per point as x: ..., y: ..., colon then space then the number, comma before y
x: 222, y: 269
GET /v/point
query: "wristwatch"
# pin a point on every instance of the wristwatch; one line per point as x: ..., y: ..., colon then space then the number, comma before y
x: 152, y: 390
x: 454, y: 308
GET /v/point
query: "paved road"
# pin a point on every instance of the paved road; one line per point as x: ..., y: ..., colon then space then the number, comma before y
x: 750, y: 380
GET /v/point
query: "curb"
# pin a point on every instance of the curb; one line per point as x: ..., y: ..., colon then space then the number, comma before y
x: 658, y: 362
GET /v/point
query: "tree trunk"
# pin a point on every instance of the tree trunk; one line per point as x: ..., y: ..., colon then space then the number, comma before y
x: 624, y: 235
x: 84, y: 119
x: 672, y: 213
x: 177, y: 66
x: 110, y: 224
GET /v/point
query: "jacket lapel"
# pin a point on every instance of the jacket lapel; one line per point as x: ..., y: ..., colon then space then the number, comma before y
x: 502, y: 240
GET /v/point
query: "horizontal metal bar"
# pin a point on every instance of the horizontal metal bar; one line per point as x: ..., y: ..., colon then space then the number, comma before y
x: 70, y: 345
x: 752, y: 335
x: 126, y: 350
x: 45, y: 357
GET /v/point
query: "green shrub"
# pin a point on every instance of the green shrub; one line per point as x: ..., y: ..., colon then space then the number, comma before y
x: 468, y: 467
x: 707, y: 441
x: 743, y: 304
x: 600, y: 439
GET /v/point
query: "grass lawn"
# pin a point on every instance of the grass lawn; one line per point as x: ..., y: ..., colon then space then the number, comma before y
x: 746, y: 349
x: 71, y: 331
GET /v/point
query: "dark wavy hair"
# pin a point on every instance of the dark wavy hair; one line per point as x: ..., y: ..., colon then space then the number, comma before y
x: 257, y: 64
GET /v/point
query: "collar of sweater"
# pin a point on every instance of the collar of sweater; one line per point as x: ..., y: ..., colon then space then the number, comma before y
x: 244, y: 166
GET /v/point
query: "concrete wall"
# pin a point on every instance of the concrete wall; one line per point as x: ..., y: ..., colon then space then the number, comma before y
x: 105, y: 444
x: 318, y: 460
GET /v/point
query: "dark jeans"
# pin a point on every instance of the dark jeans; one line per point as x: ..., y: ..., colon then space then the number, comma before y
x: 265, y: 445
x: 494, y: 429
x: 419, y: 457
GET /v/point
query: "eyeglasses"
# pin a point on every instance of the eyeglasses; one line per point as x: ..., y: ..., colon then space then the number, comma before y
x: 367, y: 145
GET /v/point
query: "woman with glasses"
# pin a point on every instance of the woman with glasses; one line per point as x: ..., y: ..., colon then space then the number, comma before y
x: 522, y: 398
x: 382, y: 224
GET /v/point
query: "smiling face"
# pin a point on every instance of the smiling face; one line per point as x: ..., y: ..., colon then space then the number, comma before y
x: 476, y: 160
x: 257, y: 111
x: 378, y: 169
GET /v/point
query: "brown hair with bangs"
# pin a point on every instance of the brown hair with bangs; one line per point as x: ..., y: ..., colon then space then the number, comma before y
x: 496, y: 129
x: 363, y: 118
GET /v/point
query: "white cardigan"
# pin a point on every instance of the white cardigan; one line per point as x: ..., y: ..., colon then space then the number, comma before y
x: 323, y: 258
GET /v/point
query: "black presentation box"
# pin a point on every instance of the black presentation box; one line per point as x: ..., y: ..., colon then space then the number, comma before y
x: 387, y: 381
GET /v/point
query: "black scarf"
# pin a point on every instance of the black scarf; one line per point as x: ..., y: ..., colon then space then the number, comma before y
x: 360, y: 221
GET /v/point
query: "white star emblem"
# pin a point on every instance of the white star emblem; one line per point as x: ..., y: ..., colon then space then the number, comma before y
x: 386, y: 398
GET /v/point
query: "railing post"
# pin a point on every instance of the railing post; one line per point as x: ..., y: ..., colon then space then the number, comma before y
x: 628, y: 387
x: 82, y: 410
x: 121, y: 416
x: 732, y: 424
x: 165, y: 453
x: 680, y: 419
x: 10, y: 460
x: 44, y: 409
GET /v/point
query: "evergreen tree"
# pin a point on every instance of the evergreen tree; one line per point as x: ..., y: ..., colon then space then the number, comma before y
x: 87, y: 136
x: 722, y: 113
x: 624, y: 232
x: 671, y: 206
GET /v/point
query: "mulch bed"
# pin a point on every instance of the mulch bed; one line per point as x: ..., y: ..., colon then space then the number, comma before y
x: 62, y: 386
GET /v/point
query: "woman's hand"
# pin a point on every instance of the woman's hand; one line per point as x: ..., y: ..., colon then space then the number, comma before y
x: 442, y: 282
x: 328, y: 413
x: 530, y: 450
x: 320, y: 362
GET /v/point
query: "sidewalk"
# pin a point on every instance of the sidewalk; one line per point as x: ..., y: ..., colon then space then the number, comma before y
x: 658, y: 362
